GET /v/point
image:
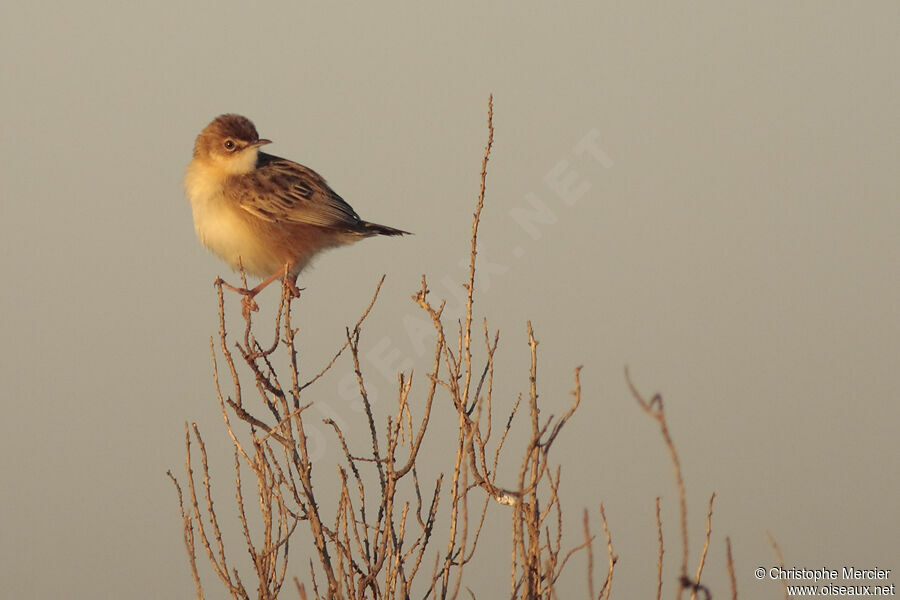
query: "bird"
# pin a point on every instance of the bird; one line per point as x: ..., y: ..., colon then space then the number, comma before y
x: 261, y: 213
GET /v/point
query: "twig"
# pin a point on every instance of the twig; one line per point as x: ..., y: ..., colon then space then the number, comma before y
x: 780, y: 561
x: 347, y: 343
x: 731, y: 576
x: 607, y: 585
x: 706, y: 544
x: 659, y: 562
x: 654, y: 408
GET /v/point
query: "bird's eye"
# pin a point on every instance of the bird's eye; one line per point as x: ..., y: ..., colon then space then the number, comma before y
x: 229, y: 145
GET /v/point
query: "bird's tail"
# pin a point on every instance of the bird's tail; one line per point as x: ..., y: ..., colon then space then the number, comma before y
x: 376, y: 229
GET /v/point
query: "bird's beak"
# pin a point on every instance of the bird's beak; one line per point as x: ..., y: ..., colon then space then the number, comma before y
x: 259, y: 143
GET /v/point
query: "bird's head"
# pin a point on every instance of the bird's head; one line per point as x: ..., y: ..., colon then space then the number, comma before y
x: 231, y: 143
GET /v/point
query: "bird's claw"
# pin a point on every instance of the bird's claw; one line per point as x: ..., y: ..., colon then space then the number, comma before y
x: 248, y: 304
x: 293, y: 290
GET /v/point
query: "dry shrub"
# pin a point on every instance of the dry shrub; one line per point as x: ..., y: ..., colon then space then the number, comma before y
x: 385, y: 538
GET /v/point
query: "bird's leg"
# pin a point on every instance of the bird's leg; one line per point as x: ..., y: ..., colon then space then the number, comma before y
x: 285, y: 275
x: 249, y: 304
x: 287, y: 281
x: 277, y: 274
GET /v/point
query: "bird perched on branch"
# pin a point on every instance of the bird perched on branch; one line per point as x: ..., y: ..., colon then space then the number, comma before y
x: 266, y: 214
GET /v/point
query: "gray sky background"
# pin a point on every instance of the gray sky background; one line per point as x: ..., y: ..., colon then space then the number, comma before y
x: 737, y: 248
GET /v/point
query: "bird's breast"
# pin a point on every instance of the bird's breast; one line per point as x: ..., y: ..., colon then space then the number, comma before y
x: 222, y: 225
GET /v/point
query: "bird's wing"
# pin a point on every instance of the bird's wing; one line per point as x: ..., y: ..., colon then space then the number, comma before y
x: 282, y: 191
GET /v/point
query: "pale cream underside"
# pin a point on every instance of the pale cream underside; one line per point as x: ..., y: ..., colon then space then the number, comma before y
x: 239, y: 237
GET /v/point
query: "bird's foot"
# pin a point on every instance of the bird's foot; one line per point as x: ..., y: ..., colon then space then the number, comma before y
x: 293, y: 290
x: 248, y: 304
